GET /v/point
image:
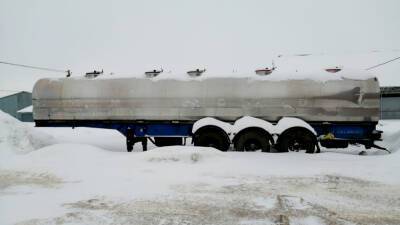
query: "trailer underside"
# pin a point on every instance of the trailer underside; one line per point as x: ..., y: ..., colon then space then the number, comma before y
x: 329, y: 135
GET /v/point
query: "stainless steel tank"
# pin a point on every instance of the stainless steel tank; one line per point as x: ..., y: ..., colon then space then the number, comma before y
x: 188, y: 100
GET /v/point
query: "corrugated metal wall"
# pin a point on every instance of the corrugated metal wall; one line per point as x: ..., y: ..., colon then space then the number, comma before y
x: 25, y: 116
x: 390, y: 103
x: 390, y: 107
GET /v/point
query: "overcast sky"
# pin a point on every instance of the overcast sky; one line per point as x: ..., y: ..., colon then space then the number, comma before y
x: 128, y: 37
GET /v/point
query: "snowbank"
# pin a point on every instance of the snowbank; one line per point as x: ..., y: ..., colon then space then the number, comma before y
x: 179, y: 180
x: 391, y: 134
x: 182, y: 154
x: 26, y: 109
x: 248, y: 121
x: 20, y: 138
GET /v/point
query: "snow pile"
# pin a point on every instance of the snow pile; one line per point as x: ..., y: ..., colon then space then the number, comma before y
x: 26, y: 109
x: 248, y: 121
x: 182, y: 154
x: 209, y: 121
x: 68, y: 151
x: 288, y: 122
x: 20, y: 138
x: 391, y: 134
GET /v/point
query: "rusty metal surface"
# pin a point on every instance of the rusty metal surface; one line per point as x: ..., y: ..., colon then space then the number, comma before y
x: 224, y: 98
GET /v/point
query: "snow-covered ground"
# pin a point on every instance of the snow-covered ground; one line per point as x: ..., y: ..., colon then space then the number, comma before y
x: 85, y: 176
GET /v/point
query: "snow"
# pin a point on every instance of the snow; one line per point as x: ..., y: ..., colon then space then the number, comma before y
x: 317, y: 75
x: 4, y: 93
x: 288, y: 122
x: 311, y: 220
x: 182, y: 154
x: 20, y: 138
x: 85, y: 176
x: 248, y: 121
x: 268, y: 202
x: 311, y: 67
x: 391, y: 134
x: 26, y: 109
x: 293, y: 66
x: 307, y: 66
x: 348, y: 61
x: 209, y: 121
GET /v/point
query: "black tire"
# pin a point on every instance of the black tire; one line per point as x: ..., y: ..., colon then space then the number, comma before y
x: 253, y: 140
x: 212, y: 137
x: 296, y: 139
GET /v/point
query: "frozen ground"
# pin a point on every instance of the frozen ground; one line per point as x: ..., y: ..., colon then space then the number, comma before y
x: 84, y: 176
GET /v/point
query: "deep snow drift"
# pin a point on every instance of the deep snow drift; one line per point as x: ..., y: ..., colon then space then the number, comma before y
x: 182, y: 154
x: 76, y: 181
x: 391, y: 134
x: 20, y: 138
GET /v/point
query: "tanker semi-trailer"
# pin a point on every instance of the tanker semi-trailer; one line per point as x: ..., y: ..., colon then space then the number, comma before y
x: 247, y: 113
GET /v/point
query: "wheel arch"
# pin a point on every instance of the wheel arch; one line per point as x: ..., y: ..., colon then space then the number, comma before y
x: 287, y: 123
x: 212, y: 123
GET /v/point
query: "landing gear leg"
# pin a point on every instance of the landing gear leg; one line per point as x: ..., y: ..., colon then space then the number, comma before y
x: 129, y: 147
x: 144, y: 144
x: 130, y: 140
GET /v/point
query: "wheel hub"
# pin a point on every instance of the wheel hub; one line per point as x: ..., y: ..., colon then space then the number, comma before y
x: 251, y: 146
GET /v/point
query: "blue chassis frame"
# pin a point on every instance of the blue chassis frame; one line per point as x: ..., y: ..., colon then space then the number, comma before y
x: 341, y: 130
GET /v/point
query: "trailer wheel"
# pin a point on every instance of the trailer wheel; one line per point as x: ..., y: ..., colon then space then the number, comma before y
x: 211, y: 136
x: 296, y: 139
x: 252, y: 140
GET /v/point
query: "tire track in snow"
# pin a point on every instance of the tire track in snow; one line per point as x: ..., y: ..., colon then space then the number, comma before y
x: 330, y: 200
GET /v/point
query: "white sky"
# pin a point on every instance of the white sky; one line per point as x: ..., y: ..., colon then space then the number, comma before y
x: 130, y: 37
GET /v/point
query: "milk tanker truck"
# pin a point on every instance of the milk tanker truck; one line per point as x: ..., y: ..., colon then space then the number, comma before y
x: 238, y: 113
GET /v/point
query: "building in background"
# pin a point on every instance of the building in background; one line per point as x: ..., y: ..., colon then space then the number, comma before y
x: 390, y: 104
x: 25, y: 114
x: 13, y: 101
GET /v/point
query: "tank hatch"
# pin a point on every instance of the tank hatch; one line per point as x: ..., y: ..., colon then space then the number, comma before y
x: 153, y: 73
x: 196, y: 73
